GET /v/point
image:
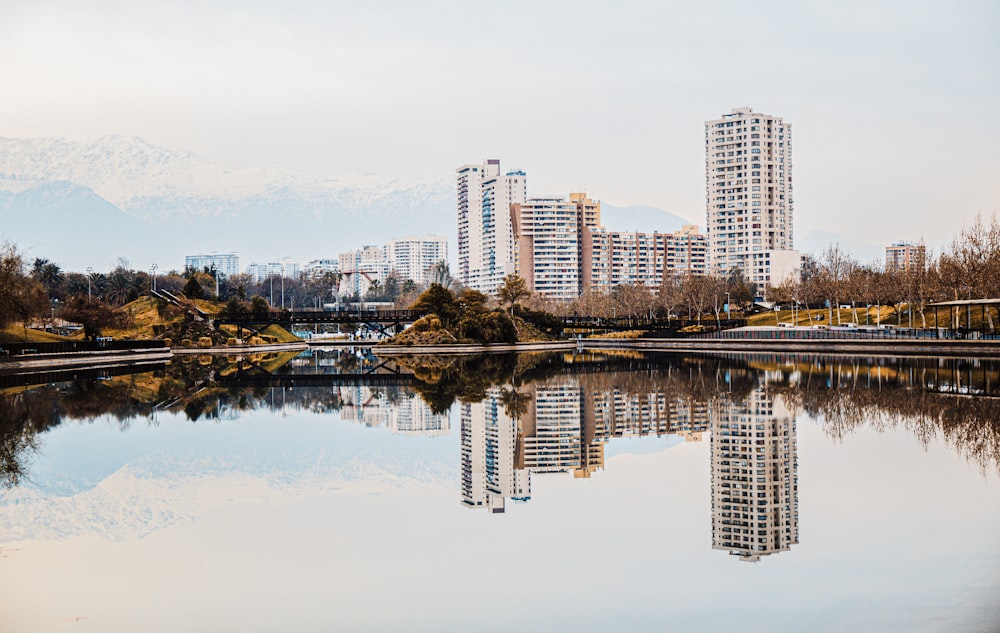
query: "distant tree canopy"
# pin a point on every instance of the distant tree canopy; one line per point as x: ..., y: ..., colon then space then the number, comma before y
x: 514, y: 289
x: 437, y: 300
x: 22, y: 297
x: 94, y: 314
x: 259, y: 306
x: 193, y: 289
x: 467, y: 316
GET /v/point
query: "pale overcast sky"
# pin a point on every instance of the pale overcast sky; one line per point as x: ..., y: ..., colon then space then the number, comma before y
x: 894, y: 104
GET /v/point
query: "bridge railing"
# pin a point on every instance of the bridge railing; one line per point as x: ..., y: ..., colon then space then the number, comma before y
x: 323, y: 316
x: 626, y: 323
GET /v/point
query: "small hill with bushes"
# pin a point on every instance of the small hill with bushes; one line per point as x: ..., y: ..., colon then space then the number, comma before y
x: 466, y: 318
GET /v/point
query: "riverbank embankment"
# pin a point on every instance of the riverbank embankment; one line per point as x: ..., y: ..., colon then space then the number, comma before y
x: 25, y: 362
x: 241, y: 349
x: 846, y: 346
x: 496, y: 348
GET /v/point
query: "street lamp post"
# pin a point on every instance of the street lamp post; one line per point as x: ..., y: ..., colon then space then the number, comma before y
x: 152, y: 278
x: 90, y: 273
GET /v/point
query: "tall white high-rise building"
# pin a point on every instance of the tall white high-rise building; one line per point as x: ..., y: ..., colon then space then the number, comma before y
x: 748, y: 183
x: 485, y: 235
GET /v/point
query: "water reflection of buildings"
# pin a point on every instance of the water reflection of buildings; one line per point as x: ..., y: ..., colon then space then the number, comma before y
x: 559, y: 431
x: 490, y: 455
x: 755, y: 501
x: 405, y: 414
x: 563, y: 428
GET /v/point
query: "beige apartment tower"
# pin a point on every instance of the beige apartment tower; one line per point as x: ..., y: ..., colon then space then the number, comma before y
x: 549, y: 243
x: 904, y: 257
x: 748, y: 185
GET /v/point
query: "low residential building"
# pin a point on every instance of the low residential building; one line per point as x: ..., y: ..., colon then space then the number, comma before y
x: 320, y: 267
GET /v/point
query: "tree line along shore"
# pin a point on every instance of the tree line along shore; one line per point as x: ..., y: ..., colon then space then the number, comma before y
x: 38, y: 300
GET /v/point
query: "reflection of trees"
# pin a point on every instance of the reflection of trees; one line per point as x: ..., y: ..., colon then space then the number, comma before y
x: 514, y: 403
x: 900, y: 396
x: 445, y: 379
x: 884, y: 394
x: 24, y: 417
x: 180, y: 388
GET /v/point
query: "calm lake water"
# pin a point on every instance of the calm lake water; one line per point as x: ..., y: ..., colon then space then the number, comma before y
x: 616, y: 492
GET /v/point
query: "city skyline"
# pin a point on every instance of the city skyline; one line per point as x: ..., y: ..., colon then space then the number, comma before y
x: 893, y: 111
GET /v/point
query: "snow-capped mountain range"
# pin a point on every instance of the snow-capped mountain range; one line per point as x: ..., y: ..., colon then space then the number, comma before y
x: 160, y: 184
x: 88, y: 203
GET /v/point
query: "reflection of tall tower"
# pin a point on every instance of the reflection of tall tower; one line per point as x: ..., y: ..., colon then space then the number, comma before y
x: 489, y: 449
x: 755, y: 501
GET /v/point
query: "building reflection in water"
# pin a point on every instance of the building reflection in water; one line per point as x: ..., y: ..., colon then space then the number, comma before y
x: 755, y: 499
x: 403, y: 413
x: 492, y: 450
x: 565, y: 427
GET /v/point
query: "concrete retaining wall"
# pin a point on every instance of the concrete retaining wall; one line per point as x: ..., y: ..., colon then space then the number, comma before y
x: 83, y: 359
x: 865, y: 347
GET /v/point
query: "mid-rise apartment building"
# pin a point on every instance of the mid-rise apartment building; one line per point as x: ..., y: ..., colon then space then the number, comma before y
x: 485, y: 232
x: 749, y: 195
x: 225, y: 264
x: 361, y: 268
x: 562, y: 249
x: 415, y: 257
x: 320, y: 267
x: 616, y: 258
x: 284, y: 267
x: 559, y: 432
x: 406, y: 414
x: 549, y: 243
x: 905, y: 257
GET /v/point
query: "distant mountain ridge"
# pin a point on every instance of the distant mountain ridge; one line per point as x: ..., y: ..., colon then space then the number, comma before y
x: 640, y: 218
x: 161, y: 184
x: 88, y: 203
x: 59, y: 198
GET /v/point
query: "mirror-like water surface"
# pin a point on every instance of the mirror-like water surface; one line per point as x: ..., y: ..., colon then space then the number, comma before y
x: 340, y: 491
